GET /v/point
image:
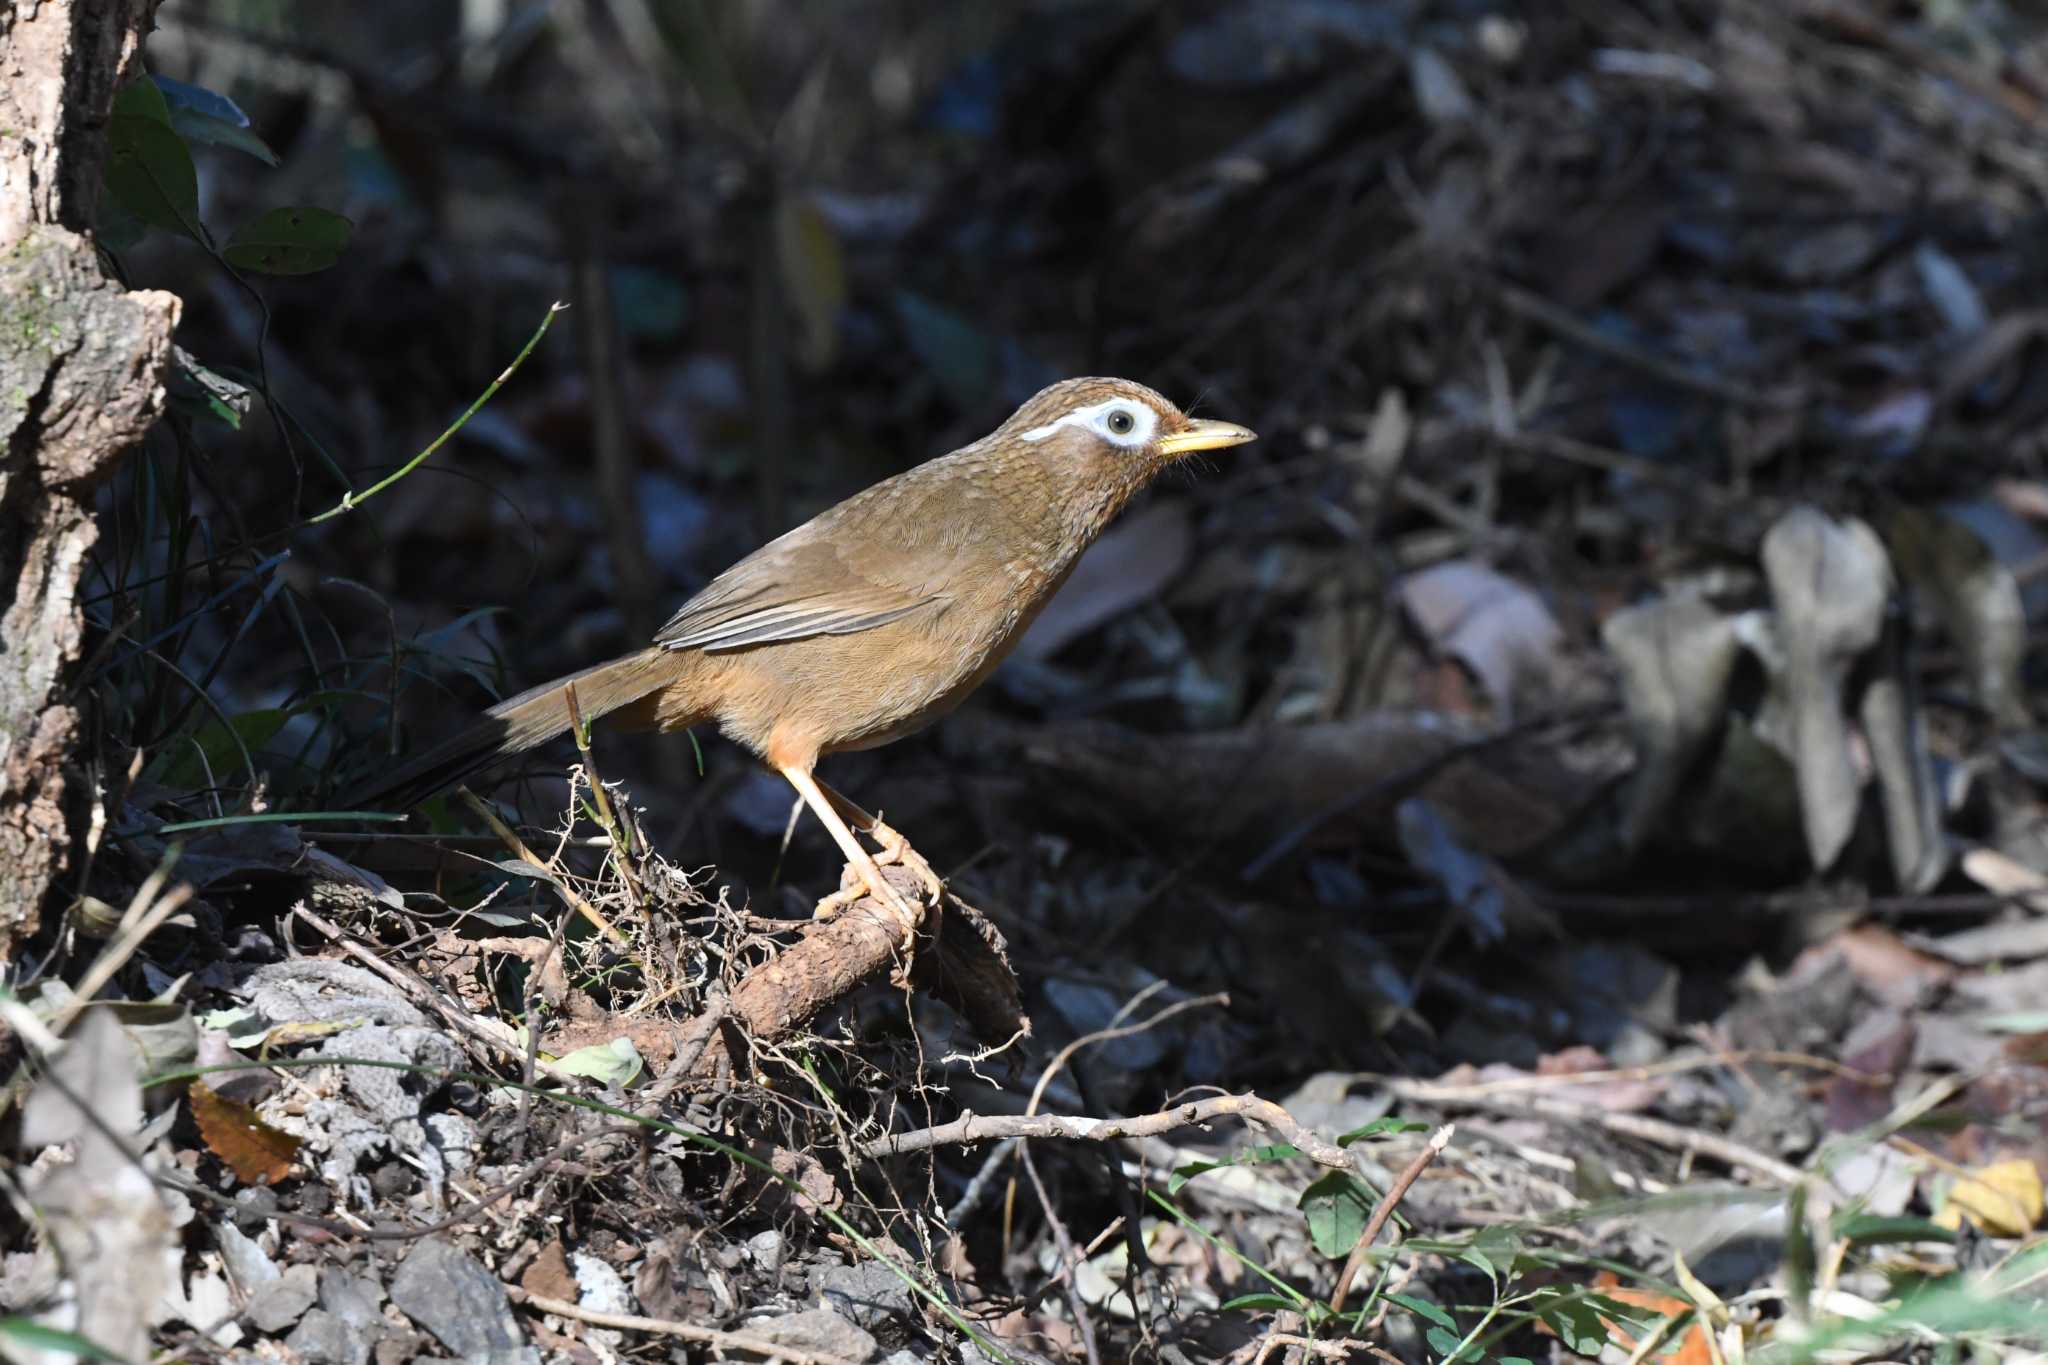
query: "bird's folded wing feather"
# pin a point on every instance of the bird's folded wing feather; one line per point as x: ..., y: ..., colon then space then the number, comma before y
x: 788, y: 591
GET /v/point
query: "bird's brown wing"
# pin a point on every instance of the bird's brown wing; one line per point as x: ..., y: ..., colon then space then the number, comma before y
x: 789, y: 589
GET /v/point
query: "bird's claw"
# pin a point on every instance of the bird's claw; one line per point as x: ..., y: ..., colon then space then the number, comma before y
x: 853, y: 886
x: 896, y: 849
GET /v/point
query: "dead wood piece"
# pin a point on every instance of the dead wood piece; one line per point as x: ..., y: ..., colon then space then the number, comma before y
x: 685, y: 1331
x: 971, y: 973
x: 973, y: 1128
x: 1234, y: 787
x: 959, y: 958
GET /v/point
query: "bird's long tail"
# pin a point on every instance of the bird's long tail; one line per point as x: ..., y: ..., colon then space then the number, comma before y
x: 524, y: 722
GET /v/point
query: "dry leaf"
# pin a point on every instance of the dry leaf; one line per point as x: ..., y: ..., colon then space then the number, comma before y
x: 257, y: 1153
x: 2005, y: 876
x: 549, y: 1275
x: 1693, y: 1347
x: 2004, y: 1199
x: 1495, y: 626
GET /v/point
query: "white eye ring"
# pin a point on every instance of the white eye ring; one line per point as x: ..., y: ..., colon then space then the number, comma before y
x: 1121, y: 422
x: 1118, y: 421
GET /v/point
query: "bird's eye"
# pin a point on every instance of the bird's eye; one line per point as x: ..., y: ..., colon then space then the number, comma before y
x: 1120, y: 422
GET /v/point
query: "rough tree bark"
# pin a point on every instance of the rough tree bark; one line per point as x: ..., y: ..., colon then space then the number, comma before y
x: 81, y: 379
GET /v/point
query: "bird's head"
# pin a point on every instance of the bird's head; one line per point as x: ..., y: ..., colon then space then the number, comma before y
x: 1115, y: 427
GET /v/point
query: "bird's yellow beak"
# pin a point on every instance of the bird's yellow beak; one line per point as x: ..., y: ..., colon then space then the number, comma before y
x: 1202, y: 434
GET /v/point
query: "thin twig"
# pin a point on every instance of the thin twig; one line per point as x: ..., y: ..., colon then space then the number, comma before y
x: 1325, y: 1350
x: 1576, y: 330
x: 1670, y: 1135
x: 601, y: 801
x: 687, y: 1331
x: 1070, y: 1259
x: 426, y: 996
x: 352, y: 499
x: 145, y: 914
x: 1061, y: 1275
x: 1384, y: 1210
x: 526, y: 855
x: 1115, y: 1029
x: 978, y: 1188
x: 1437, y: 1092
x: 970, y: 1128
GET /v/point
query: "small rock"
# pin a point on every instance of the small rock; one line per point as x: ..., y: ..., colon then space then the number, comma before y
x: 816, y: 1329
x: 352, y: 1299
x: 447, y: 1292
x: 254, y: 1208
x: 599, y: 1286
x: 869, y: 1293
x: 767, y: 1249
x: 247, y: 1262
x: 283, y: 1301
x: 322, y: 1339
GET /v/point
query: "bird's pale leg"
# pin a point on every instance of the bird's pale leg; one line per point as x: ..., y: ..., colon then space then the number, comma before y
x: 864, y: 863
x: 895, y: 845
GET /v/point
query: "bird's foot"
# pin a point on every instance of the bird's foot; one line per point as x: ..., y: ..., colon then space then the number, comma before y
x: 854, y: 885
x: 896, y: 849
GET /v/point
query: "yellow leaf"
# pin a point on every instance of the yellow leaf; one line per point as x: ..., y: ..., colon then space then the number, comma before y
x: 2004, y: 1199
x: 813, y: 277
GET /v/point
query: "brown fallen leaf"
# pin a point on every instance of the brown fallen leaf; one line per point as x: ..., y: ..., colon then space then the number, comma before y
x: 257, y: 1153
x: 549, y: 1276
x: 1693, y: 1347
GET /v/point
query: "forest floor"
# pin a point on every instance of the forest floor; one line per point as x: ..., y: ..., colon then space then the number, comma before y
x: 1543, y: 855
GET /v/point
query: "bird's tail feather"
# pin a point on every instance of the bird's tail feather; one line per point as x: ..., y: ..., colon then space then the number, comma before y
x: 524, y: 722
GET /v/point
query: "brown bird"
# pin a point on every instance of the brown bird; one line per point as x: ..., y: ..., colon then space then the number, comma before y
x: 872, y: 619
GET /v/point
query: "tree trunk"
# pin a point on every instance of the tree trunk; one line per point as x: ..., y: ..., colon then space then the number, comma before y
x: 81, y: 379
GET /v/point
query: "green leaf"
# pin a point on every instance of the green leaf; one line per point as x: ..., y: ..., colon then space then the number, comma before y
x: 616, y: 1063
x: 54, y: 1339
x: 1450, y: 1344
x: 217, y: 745
x: 142, y: 99
x: 289, y: 241
x: 1576, y: 1322
x: 1273, y: 1303
x: 114, y: 227
x: 1378, y: 1127
x: 958, y: 354
x: 149, y: 172
x: 209, y: 131
x: 1276, y: 1151
x: 1869, y: 1229
x: 199, y: 100
x: 1337, y: 1208
x: 1423, y: 1308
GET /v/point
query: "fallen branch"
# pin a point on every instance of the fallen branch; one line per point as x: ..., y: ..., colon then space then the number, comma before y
x: 960, y: 960
x: 1656, y: 1131
x: 547, y: 873
x: 687, y: 1331
x: 973, y: 1128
